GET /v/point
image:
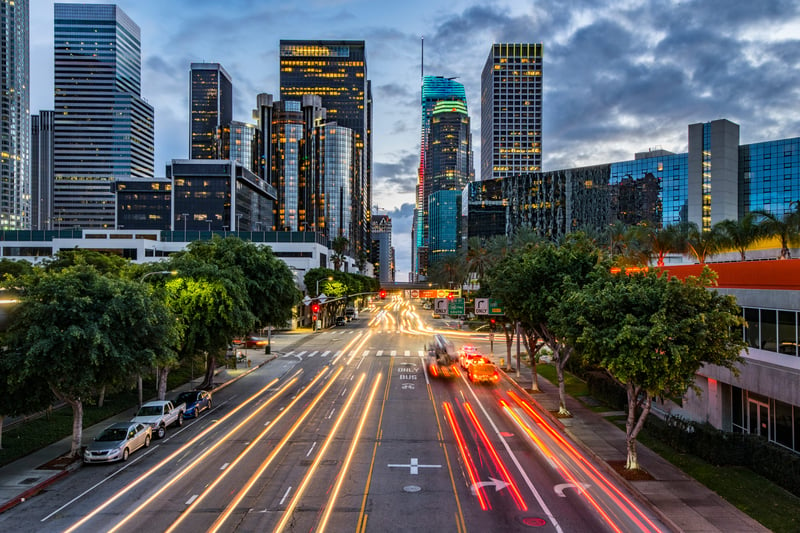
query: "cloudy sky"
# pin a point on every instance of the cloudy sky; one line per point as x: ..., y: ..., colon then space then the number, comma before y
x: 619, y: 76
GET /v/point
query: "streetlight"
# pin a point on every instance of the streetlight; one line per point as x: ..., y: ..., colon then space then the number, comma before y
x: 162, y: 272
x: 330, y: 278
x: 209, y: 225
x: 185, y: 216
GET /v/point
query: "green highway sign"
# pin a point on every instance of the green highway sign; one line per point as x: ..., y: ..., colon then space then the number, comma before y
x: 455, y: 306
x: 495, y: 308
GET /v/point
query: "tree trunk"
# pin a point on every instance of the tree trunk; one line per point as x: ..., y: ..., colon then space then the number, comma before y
x: 563, y: 354
x: 163, y: 372
x: 101, y: 400
x: 1, y: 431
x: 208, y: 380
x: 634, y: 424
x: 139, y: 386
x: 77, y: 421
x: 533, y: 354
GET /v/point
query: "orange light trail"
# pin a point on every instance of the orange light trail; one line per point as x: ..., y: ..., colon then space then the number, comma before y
x: 565, y: 473
x: 512, y: 486
x: 188, y: 510
x: 264, y: 465
x: 346, y: 465
x: 462, y: 447
x: 170, y: 457
x: 287, y: 513
x: 358, y: 348
x: 592, y: 470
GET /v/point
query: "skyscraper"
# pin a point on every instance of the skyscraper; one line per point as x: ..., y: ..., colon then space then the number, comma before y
x: 511, y: 110
x: 210, y: 107
x: 336, y: 71
x: 42, y: 170
x: 434, y: 89
x: 15, y: 126
x: 382, y: 250
x: 103, y: 127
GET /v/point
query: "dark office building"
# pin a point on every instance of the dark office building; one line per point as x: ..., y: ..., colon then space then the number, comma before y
x: 210, y: 107
x: 336, y: 71
x: 144, y: 203
x: 218, y: 195
x: 42, y: 139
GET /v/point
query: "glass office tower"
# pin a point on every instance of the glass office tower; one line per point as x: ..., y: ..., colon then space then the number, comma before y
x: 511, y: 110
x: 42, y: 170
x: 15, y: 127
x: 103, y: 127
x: 336, y: 71
x: 210, y: 107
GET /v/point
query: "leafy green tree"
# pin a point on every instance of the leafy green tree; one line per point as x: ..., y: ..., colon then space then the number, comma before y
x: 77, y: 331
x: 532, y: 281
x: 448, y: 272
x: 651, y: 334
x: 10, y: 268
x: 740, y: 234
x: 104, y: 263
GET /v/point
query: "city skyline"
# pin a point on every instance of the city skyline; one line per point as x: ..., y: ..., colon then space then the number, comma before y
x: 619, y: 79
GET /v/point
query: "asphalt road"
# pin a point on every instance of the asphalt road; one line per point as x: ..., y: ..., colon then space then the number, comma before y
x: 349, y: 432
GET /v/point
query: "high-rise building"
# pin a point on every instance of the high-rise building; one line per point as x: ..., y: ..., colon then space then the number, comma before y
x: 336, y: 71
x: 382, y: 250
x: 42, y: 170
x: 337, y: 158
x: 15, y: 126
x: 210, y: 107
x: 103, y: 127
x: 238, y: 141
x: 434, y: 89
x: 511, y: 110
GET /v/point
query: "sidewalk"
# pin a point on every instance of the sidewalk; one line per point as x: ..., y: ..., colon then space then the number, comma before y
x: 681, y: 502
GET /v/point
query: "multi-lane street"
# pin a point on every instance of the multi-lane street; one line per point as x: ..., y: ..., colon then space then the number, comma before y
x: 346, y: 430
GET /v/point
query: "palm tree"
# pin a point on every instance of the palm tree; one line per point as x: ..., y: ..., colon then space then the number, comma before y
x: 449, y: 271
x: 702, y: 244
x: 339, y: 247
x: 786, y: 228
x: 666, y: 240
x: 478, y: 258
x: 740, y: 234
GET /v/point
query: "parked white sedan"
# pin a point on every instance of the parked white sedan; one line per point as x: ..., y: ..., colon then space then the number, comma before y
x: 117, y: 442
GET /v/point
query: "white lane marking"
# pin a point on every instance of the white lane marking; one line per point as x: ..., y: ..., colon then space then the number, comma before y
x: 330, y: 414
x: 190, y: 500
x: 312, y: 448
x: 516, y: 462
x: 366, y: 353
x: 223, y: 467
x: 285, y: 495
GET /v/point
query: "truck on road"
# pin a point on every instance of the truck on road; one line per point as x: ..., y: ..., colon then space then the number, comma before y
x: 442, y: 357
x: 159, y: 415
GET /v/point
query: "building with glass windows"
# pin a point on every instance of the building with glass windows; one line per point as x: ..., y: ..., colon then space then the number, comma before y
x: 511, y: 110
x: 210, y: 108
x: 336, y: 71
x: 382, y: 250
x: 444, y: 210
x: 15, y: 127
x: 144, y: 204
x: 338, y: 156
x: 434, y: 89
x: 238, y: 141
x: 42, y: 139
x: 103, y: 129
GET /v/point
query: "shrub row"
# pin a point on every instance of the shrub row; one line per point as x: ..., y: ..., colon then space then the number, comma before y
x: 777, y: 464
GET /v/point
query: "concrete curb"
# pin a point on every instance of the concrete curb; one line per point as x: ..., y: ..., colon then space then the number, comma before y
x: 33, y: 491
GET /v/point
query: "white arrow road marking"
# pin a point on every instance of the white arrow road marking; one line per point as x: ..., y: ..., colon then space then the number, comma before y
x: 498, y: 485
x: 560, y: 488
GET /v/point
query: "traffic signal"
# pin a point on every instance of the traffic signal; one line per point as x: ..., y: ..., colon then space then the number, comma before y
x: 450, y: 295
x: 492, y: 323
x: 382, y: 294
x: 315, y: 308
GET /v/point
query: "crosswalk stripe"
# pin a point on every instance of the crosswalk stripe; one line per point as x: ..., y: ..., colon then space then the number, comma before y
x: 421, y: 353
x: 380, y: 353
x: 312, y: 354
x: 300, y: 354
x: 393, y: 353
x: 325, y: 353
x: 407, y: 353
x: 366, y: 353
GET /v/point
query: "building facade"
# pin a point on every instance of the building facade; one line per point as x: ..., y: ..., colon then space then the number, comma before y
x: 336, y: 71
x: 434, y: 89
x: 103, y: 129
x: 15, y: 128
x: 42, y: 139
x: 511, y: 110
x: 240, y: 142
x: 210, y: 108
x: 382, y: 250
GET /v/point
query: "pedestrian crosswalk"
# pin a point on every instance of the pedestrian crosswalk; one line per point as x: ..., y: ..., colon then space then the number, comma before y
x: 308, y: 354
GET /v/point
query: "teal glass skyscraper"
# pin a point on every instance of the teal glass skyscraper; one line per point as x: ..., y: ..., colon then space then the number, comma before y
x: 15, y: 107
x: 103, y: 127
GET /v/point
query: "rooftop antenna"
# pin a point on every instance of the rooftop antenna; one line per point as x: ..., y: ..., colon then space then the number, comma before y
x: 422, y: 58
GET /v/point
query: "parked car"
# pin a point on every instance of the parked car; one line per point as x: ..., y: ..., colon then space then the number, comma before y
x: 196, y: 402
x: 340, y: 321
x: 117, y: 442
x: 159, y: 415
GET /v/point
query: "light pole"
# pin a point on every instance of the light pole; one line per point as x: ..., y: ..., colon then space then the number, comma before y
x: 238, y: 223
x: 329, y: 278
x: 209, y: 225
x: 185, y: 216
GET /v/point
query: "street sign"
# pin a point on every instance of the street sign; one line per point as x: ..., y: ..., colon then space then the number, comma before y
x: 306, y: 300
x: 481, y: 306
x: 440, y: 306
x: 495, y: 307
x: 322, y: 297
x: 455, y: 307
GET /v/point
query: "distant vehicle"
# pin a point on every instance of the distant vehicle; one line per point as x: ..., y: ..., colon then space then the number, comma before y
x: 426, y: 306
x: 117, y: 442
x: 196, y: 402
x: 442, y: 357
x: 484, y: 372
x: 467, y: 360
x: 436, y: 315
x: 340, y: 321
x: 159, y: 415
x: 252, y: 341
x: 350, y: 313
